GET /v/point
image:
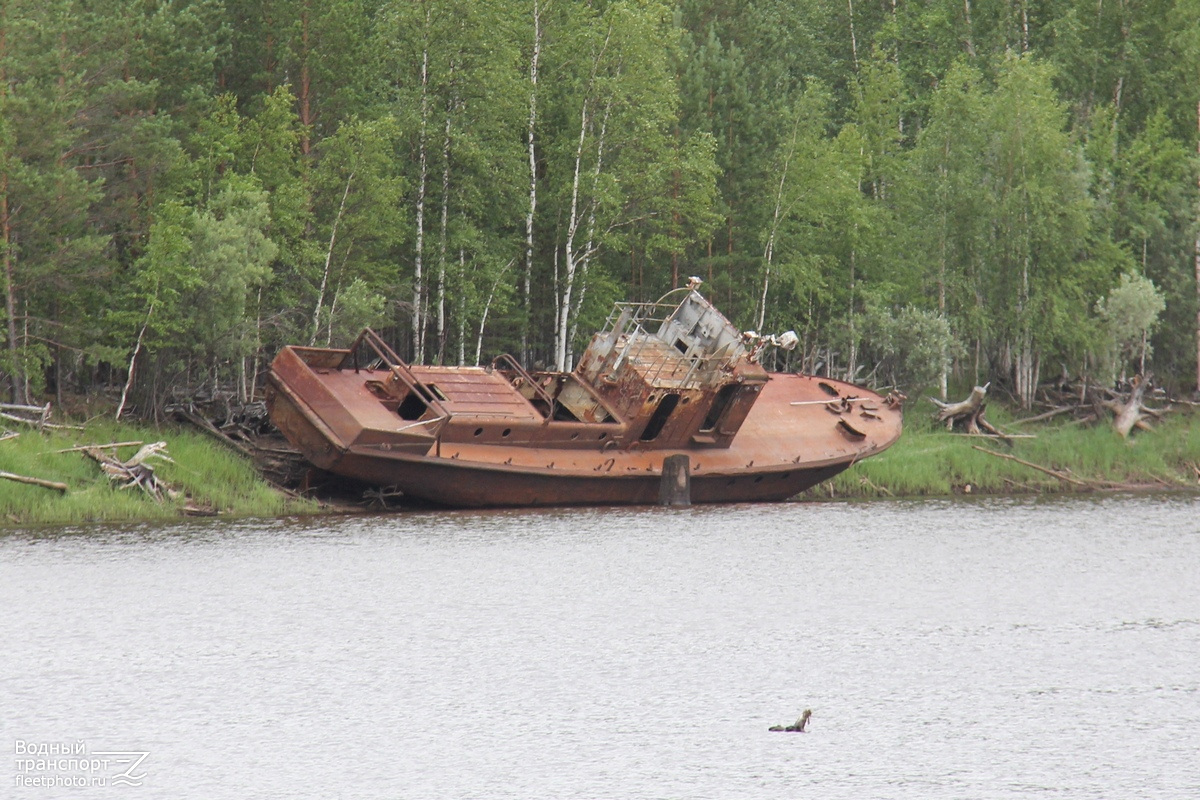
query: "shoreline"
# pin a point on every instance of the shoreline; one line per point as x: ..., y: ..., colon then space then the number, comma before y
x: 927, y: 463
x: 1049, y: 459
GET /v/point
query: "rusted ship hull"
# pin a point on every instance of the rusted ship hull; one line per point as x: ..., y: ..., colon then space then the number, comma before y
x: 778, y: 465
x: 647, y: 389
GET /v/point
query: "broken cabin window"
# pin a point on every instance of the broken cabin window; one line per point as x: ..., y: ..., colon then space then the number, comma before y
x: 720, y: 403
x: 665, y: 406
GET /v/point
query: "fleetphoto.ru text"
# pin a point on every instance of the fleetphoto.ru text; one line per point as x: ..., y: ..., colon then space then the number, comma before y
x: 75, y: 765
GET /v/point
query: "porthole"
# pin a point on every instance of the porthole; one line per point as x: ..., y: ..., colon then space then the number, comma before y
x: 506, y: 432
x: 479, y: 431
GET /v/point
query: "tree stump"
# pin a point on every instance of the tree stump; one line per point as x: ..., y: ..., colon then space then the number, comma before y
x: 964, y: 412
x: 968, y: 414
x: 1131, y: 413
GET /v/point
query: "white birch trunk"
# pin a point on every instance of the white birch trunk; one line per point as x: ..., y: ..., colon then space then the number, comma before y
x: 462, y: 307
x: 418, y: 317
x: 337, y: 293
x: 487, y: 307
x: 568, y: 283
x: 562, y: 341
x: 442, y: 243
x: 258, y: 349
x: 853, y: 39
x: 137, y: 349
x: 589, y: 247
x: 944, y: 372
x: 852, y: 366
x: 328, y: 262
x: 776, y: 218
x: 533, y: 182
x: 970, y: 43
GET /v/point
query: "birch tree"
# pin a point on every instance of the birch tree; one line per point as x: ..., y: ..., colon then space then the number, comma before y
x: 624, y: 101
x: 1040, y: 220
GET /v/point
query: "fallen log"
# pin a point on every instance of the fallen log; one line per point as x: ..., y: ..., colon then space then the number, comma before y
x: 108, y: 446
x: 45, y: 484
x: 39, y: 423
x: 1053, y: 473
x: 1003, y: 436
x: 212, y: 430
x: 1054, y: 412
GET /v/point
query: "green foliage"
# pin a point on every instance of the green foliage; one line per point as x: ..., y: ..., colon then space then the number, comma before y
x: 1129, y: 314
x: 909, y: 348
x: 215, y: 179
x: 353, y: 308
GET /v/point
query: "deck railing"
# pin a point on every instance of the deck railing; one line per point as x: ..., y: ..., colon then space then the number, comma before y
x: 394, y: 364
x: 639, y: 331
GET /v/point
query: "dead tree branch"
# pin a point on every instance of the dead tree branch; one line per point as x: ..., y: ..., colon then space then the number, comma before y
x: 45, y: 484
x: 135, y: 471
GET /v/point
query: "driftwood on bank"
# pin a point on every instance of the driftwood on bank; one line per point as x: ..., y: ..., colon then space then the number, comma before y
x: 28, y: 479
x: 1132, y: 413
x: 967, y: 415
x: 1053, y: 473
x: 109, y: 446
x: 212, y: 430
x: 34, y: 416
x: 45, y: 484
x: 1089, y: 485
x: 135, y: 472
x: 1124, y: 405
x: 245, y: 428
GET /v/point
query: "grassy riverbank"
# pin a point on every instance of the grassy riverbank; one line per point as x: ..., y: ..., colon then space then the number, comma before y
x: 209, y: 477
x: 928, y: 461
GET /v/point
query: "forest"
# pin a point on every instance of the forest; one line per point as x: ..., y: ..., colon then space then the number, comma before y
x: 931, y: 193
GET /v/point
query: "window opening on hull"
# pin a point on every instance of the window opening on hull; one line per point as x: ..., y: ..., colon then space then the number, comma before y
x: 720, y: 403
x: 563, y: 414
x: 412, y: 407
x: 659, y: 419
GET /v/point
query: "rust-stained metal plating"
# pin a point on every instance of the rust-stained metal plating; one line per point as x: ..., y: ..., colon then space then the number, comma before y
x: 661, y: 379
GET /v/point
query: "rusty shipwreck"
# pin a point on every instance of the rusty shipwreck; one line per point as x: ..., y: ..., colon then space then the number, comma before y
x: 672, y: 378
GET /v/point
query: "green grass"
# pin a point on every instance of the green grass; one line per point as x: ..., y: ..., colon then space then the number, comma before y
x: 207, y: 475
x: 928, y: 461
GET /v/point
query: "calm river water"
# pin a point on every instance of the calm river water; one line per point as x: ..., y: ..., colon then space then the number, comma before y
x: 990, y: 649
